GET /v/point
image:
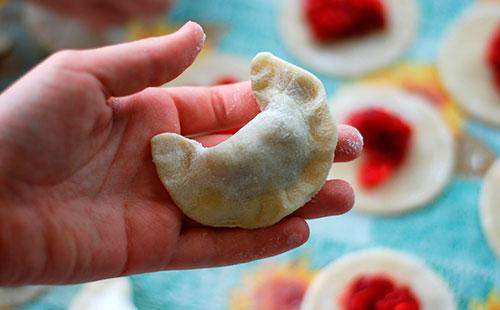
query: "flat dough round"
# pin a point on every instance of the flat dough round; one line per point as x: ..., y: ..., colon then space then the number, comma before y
x: 463, y: 67
x: 430, y: 162
x: 103, y: 295
x: 490, y: 207
x: 16, y: 296
x: 331, y: 282
x: 356, y: 56
x: 269, y: 168
x: 56, y: 32
x: 208, y: 68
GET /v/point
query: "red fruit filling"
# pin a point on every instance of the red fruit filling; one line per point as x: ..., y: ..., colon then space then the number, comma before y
x: 378, y: 292
x: 226, y: 79
x: 387, y: 139
x: 493, y: 57
x: 333, y: 20
x: 280, y: 293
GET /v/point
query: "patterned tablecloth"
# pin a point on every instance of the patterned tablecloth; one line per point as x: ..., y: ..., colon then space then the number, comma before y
x: 447, y: 234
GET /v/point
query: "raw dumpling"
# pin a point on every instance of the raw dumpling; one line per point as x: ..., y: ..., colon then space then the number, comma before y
x: 269, y: 168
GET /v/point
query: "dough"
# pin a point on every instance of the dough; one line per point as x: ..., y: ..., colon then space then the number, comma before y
x: 331, y: 282
x: 490, y: 207
x: 351, y: 57
x: 269, y: 168
x: 56, y: 32
x: 430, y: 162
x: 208, y: 68
x: 18, y: 295
x: 463, y: 66
x: 106, y: 294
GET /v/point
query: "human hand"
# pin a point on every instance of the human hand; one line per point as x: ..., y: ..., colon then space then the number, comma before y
x: 80, y: 198
x: 104, y: 13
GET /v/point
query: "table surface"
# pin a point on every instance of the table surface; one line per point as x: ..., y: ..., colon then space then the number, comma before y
x: 446, y: 234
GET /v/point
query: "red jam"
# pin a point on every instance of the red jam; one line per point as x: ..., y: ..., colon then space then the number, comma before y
x: 387, y: 139
x: 334, y: 20
x: 378, y: 292
x: 493, y: 56
x: 226, y: 79
x: 280, y: 293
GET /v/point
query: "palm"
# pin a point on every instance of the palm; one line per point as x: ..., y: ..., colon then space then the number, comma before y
x: 80, y: 198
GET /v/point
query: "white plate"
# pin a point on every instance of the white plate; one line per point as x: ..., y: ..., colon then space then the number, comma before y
x: 352, y: 57
x: 331, y: 282
x: 430, y: 162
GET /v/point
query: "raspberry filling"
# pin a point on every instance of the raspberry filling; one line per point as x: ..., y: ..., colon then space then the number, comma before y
x: 333, y: 20
x: 378, y: 292
x: 387, y: 139
x: 493, y: 57
x: 226, y: 79
x: 280, y: 293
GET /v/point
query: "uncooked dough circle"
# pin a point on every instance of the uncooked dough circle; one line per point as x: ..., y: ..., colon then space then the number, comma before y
x: 356, y: 56
x: 463, y: 66
x: 430, y: 162
x: 269, y: 168
x: 106, y: 294
x: 56, y: 32
x: 208, y: 68
x: 15, y: 296
x: 331, y: 282
x: 490, y: 206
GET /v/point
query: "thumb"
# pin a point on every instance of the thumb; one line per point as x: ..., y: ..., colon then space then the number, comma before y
x: 128, y: 68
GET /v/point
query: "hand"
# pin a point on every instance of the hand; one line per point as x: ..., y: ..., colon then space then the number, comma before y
x: 104, y: 13
x: 79, y: 195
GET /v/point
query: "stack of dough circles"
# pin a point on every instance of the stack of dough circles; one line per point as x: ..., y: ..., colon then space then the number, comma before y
x: 463, y: 67
x: 331, y: 282
x: 56, y: 32
x: 356, y: 56
x: 18, y: 295
x: 490, y: 206
x: 210, y: 67
x: 430, y: 161
x: 269, y: 168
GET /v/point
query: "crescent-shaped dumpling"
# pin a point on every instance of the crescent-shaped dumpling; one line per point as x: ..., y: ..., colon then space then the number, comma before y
x: 269, y: 168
